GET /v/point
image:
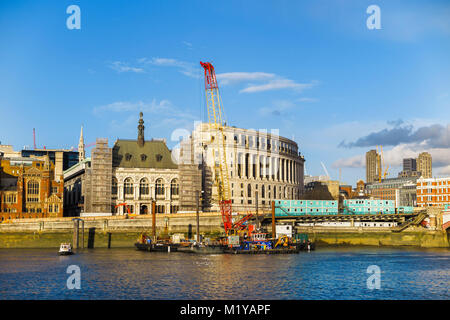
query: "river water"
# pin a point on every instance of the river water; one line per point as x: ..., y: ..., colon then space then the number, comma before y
x: 327, y: 273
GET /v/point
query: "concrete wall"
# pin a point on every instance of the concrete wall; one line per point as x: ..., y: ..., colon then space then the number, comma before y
x: 377, y: 237
x: 209, y: 222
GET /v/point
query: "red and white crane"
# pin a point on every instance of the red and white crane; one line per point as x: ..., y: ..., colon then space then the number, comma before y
x: 216, y: 127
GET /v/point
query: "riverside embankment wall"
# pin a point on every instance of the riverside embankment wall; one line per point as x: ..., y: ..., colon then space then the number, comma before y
x: 40, y: 233
x: 49, y: 233
x: 378, y: 237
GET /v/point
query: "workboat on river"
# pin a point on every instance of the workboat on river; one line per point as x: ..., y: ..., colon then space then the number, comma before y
x: 145, y: 243
x: 65, y: 249
x: 202, y: 248
x: 258, y: 243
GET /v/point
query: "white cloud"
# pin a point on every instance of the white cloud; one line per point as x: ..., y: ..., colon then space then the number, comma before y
x: 277, y: 84
x: 187, y: 44
x: 186, y: 68
x: 277, y: 108
x: 394, y: 157
x: 236, y: 77
x: 357, y: 161
x: 443, y: 171
x: 124, y: 67
x: 162, y: 107
x: 307, y: 100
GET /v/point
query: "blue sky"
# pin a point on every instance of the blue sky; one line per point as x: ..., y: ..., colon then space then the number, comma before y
x: 311, y: 69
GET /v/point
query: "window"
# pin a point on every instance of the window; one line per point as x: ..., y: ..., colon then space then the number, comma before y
x: 33, y: 191
x: 174, y: 209
x: 174, y: 188
x: 128, y: 187
x: 127, y: 157
x: 160, y: 208
x: 159, y: 157
x: 159, y: 187
x: 143, y: 157
x: 143, y: 187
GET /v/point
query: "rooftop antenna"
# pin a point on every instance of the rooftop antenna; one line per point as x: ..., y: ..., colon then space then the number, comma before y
x: 34, y: 139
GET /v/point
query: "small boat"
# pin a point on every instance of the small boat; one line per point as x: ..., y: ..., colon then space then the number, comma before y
x: 65, y: 249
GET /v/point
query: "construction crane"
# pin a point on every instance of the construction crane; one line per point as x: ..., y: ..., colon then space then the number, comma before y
x: 216, y: 127
x: 123, y: 205
x: 86, y: 146
x: 325, y: 169
x: 380, y: 164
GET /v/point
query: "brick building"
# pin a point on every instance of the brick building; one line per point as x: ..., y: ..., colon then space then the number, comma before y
x: 28, y: 189
x: 433, y: 192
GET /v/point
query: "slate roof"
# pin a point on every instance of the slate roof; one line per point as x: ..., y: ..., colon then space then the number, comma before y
x: 154, y: 154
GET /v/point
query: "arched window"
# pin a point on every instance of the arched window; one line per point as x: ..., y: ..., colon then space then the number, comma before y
x: 128, y: 186
x: 174, y: 188
x: 143, y: 187
x: 249, y: 190
x: 114, y: 187
x: 159, y: 187
x: 33, y: 191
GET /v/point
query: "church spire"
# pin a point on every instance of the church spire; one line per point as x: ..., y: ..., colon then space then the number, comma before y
x: 141, y: 127
x: 81, y: 154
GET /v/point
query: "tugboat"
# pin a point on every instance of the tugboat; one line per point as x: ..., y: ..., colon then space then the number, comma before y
x: 65, y: 249
x: 260, y: 244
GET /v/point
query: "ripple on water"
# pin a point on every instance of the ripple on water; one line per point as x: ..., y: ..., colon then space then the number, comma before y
x: 329, y: 273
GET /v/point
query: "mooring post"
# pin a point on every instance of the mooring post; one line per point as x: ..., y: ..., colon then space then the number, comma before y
x: 154, y: 220
x: 76, y: 233
x: 109, y: 240
x: 273, y: 220
x: 257, y: 217
x: 82, y: 233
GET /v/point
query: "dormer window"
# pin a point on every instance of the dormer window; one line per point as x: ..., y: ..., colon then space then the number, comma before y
x: 143, y: 157
x: 158, y: 157
x: 128, y: 157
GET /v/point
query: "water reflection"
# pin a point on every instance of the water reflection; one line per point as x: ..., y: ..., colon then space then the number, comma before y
x: 333, y: 273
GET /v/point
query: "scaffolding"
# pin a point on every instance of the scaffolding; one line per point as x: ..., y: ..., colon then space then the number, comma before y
x: 101, y: 177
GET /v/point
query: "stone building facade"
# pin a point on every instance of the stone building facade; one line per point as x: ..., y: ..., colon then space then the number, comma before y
x: 425, y: 165
x: 134, y: 172
x: 371, y: 166
x: 261, y: 165
x: 28, y: 189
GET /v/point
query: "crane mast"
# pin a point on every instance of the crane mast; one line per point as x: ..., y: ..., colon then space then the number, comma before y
x: 216, y: 128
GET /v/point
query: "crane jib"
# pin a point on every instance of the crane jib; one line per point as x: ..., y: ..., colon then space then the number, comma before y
x: 216, y: 124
